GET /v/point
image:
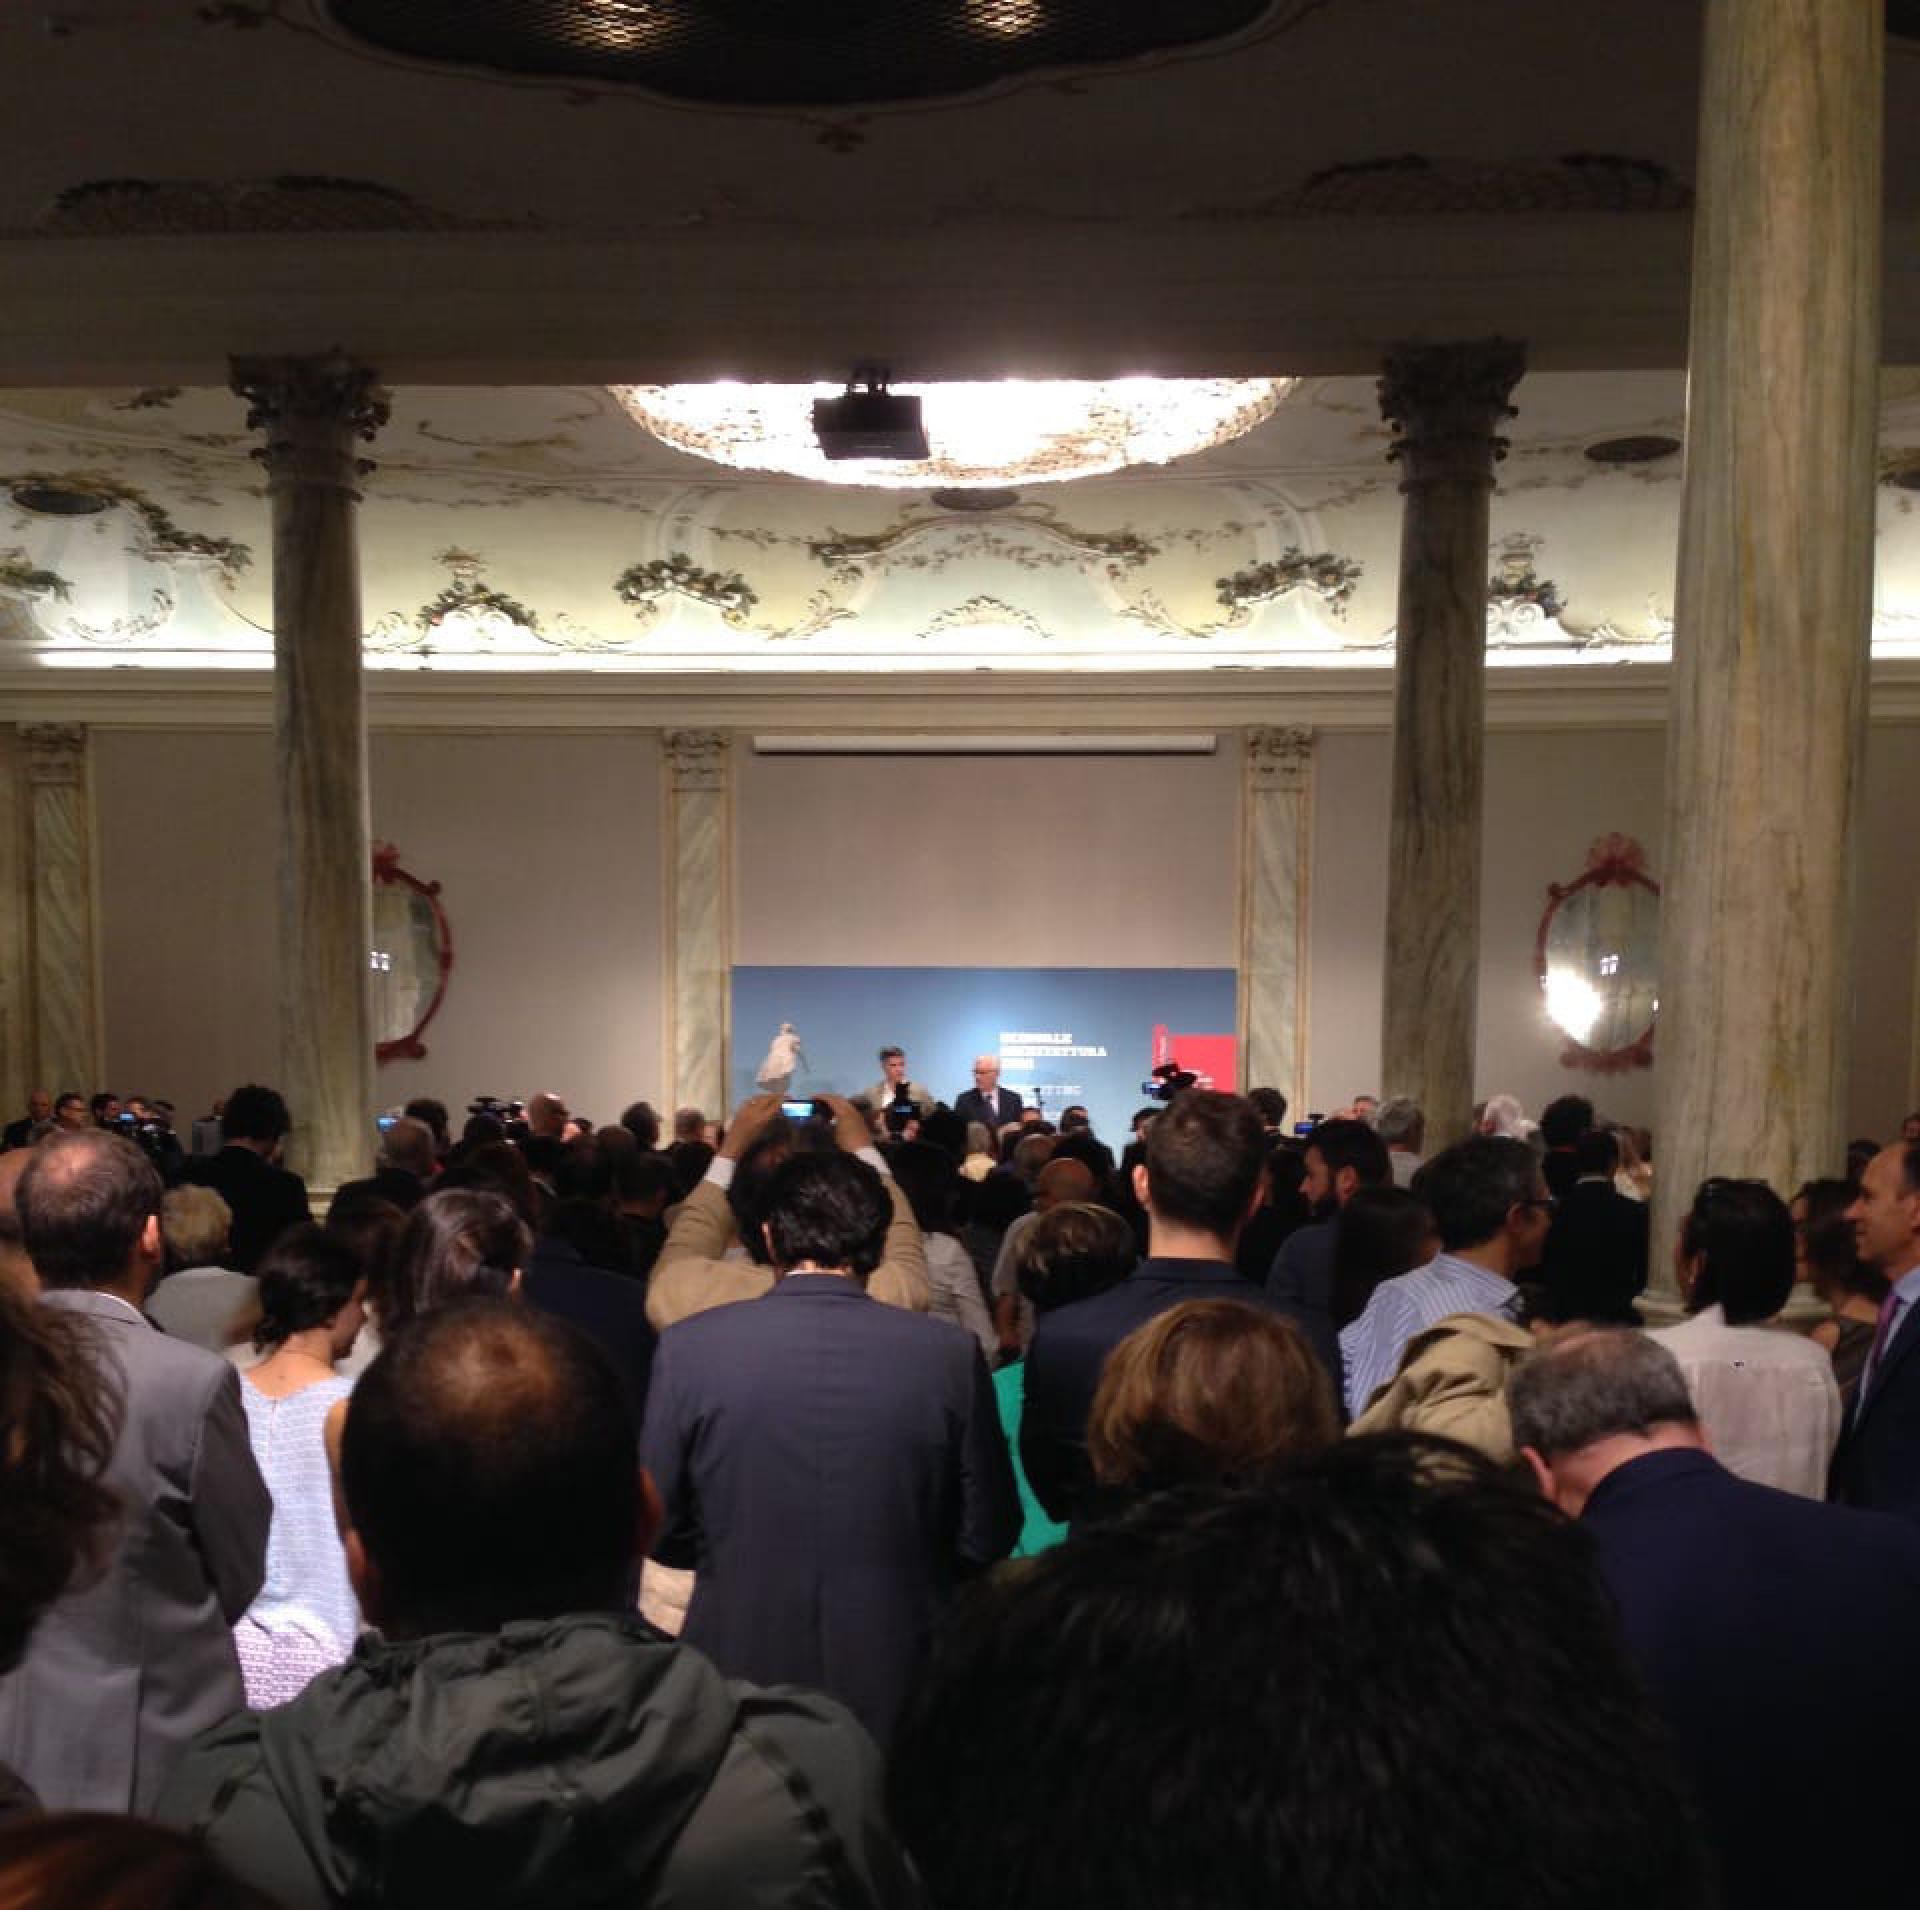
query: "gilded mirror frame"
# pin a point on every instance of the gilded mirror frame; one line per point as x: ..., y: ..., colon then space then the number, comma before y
x: 388, y: 873
x: 1613, y: 861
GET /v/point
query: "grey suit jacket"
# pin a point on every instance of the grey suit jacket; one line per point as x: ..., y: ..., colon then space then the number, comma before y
x: 122, y: 1672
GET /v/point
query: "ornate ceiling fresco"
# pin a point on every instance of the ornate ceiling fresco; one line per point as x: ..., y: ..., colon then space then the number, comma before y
x: 541, y: 530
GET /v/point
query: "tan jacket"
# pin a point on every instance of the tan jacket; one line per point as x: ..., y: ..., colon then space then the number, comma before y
x: 692, y: 1273
x: 1452, y: 1379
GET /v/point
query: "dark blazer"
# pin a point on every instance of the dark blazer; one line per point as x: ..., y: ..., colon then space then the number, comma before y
x: 609, y: 1308
x: 1300, y: 1285
x: 1071, y: 1345
x: 265, y: 1199
x: 128, y: 1667
x: 1777, y: 1637
x: 1877, y: 1462
x: 1596, y: 1255
x: 831, y: 1467
x: 972, y: 1105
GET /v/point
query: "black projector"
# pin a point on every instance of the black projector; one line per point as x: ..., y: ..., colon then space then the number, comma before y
x: 870, y: 424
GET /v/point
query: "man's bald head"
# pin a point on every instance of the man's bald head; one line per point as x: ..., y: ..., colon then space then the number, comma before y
x: 1064, y: 1180
x: 89, y: 1206
x: 489, y: 1474
x: 546, y: 1114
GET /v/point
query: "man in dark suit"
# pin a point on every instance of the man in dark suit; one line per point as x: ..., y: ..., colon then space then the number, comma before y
x: 987, y: 1101
x: 1199, y: 1184
x: 830, y: 1467
x: 1775, y: 1634
x: 1878, y: 1460
x: 264, y: 1197
x: 1596, y: 1255
x: 131, y: 1663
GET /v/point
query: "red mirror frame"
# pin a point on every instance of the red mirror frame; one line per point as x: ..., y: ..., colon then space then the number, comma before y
x: 1613, y: 861
x: 387, y: 869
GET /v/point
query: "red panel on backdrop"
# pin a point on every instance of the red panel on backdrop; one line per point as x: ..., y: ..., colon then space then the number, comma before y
x: 1214, y: 1058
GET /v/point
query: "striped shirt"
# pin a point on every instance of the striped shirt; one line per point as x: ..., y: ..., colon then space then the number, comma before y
x: 1371, y: 1346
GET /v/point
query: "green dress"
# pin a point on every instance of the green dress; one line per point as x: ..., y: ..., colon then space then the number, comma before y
x: 1038, y: 1532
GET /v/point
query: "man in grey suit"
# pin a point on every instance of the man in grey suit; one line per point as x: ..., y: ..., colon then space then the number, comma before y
x: 131, y: 1663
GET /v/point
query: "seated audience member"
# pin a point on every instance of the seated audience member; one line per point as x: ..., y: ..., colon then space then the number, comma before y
x: 1595, y: 1262
x: 1402, y: 1126
x: 1827, y: 1256
x: 1199, y: 1183
x: 202, y: 1300
x: 577, y: 1270
x: 262, y: 1195
x: 1057, y: 1182
x: 1775, y: 1635
x: 829, y: 1467
x: 1562, y: 1123
x: 459, y: 1244
x: 58, y: 1427
x: 1382, y: 1233
x: 404, y: 1168
x: 1234, y: 1696
x: 1491, y: 1209
x: 1878, y: 1461
x: 1209, y: 1391
x: 303, y: 1619
x: 1342, y: 1156
x: 1280, y: 1215
x: 1074, y: 1251
x: 929, y: 1180
x: 88, y: 1860
x: 1765, y: 1395
x: 16, y: 1269
x: 125, y: 1668
x: 715, y: 1252
x: 515, y: 1733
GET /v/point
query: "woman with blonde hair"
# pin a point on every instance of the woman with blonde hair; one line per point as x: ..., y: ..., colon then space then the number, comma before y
x: 1210, y: 1390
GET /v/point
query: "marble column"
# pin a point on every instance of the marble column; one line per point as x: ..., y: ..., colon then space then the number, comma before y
x: 1773, y: 607
x: 1273, y: 917
x: 701, y: 942
x: 64, y: 1002
x: 312, y: 411
x: 1446, y: 404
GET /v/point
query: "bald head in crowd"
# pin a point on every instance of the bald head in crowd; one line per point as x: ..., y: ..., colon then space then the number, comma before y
x: 546, y: 1114
x: 1061, y: 1181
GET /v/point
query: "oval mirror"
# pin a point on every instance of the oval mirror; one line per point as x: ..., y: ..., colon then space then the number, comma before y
x: 411, y: 957
x: 1597, y: 958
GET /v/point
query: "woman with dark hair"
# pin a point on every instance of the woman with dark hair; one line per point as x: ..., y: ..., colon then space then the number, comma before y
x: 931, y: 1182
x: 1829, y: 1261
x: 1382, y: 1232
x: 305, y: 1618
x: 1765, y: 1394
x: 1208, y: 1391
x: 456, y: 1244
x: 58, y: 1425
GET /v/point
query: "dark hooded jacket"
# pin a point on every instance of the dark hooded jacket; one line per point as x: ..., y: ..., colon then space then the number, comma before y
x: 584, y: 1761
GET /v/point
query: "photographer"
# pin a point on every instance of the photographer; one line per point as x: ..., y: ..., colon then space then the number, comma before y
x: 716, y: 1252
x: 898, y: 1101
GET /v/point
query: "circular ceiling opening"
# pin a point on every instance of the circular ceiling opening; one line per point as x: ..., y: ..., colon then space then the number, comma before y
x: 1645, y: 449
x: 56, y: 500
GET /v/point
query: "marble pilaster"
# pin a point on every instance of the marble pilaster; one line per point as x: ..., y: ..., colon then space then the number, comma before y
x: 1772, y: 614
x: 698, y: 831
x: 1446, y: 403
x: 312, y: 411
x: 64, y: 1010
x: 16, y: 918
x: 1273, y: 921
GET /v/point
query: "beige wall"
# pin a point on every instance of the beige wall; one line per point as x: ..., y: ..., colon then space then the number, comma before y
x: 548, y: 852
x: 981, y: 861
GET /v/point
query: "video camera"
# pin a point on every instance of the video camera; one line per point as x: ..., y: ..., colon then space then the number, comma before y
x: 1169, y: 1079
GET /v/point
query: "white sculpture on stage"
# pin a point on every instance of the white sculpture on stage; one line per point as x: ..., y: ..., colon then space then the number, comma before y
x: 783, y: 1056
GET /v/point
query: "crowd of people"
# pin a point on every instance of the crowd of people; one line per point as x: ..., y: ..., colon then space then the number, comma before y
x: 876, y: 1501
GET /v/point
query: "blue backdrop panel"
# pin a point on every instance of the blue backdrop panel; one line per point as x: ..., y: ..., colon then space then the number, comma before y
x: 1088, y: 1033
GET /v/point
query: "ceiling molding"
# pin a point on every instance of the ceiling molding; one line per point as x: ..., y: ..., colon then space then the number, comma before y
x: 1625, y: 696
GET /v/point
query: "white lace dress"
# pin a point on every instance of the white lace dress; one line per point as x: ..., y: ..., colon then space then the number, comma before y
x: 306, y: 1618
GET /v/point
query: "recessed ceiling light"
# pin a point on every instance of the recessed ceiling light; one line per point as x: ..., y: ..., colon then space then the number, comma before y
x: 1644, y: 449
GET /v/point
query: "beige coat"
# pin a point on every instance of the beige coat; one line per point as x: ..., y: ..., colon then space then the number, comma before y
x: 693, y: 1272
x: 1452, y: 1379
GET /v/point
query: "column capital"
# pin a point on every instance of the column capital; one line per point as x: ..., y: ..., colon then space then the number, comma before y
x: 56, y: 752
x: 1279, y: 759
x: 696, y: 759
x: 1445, y: 404
x: 311, y: 410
